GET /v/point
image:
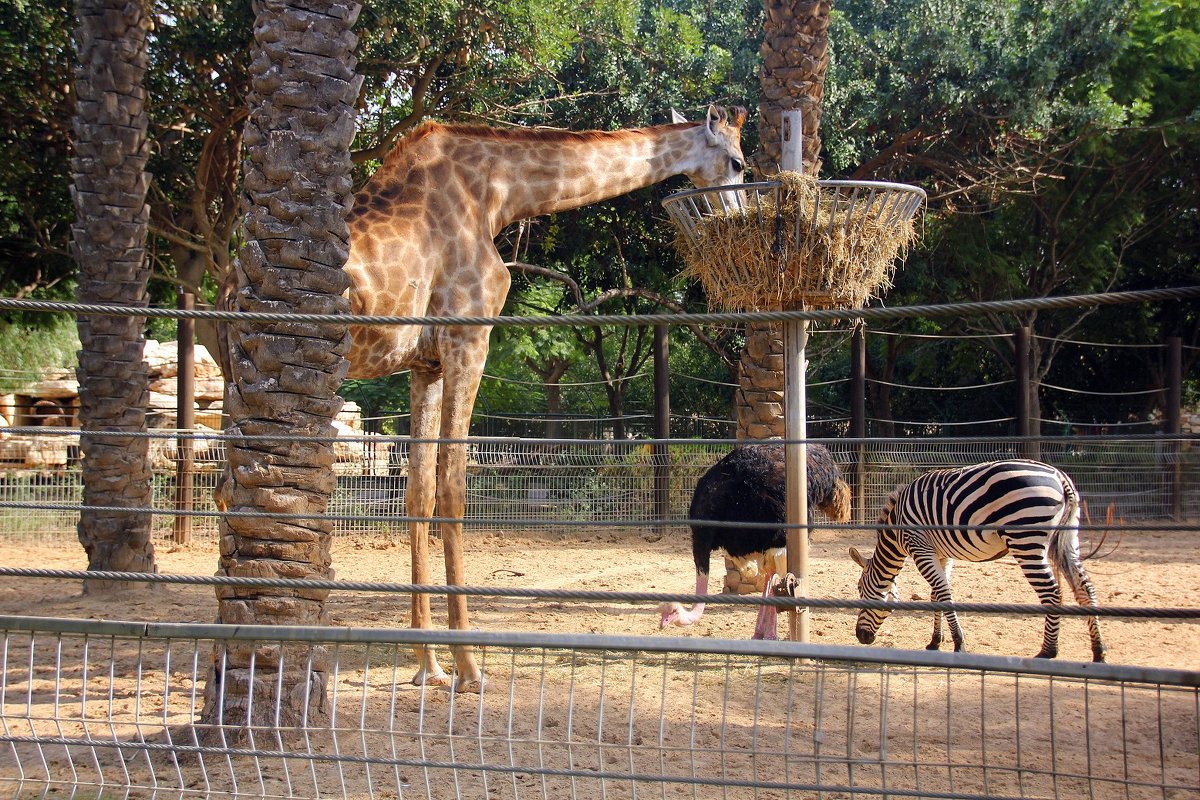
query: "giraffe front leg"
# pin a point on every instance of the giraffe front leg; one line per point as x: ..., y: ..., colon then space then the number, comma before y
x: 426, y: 396
x: 462, y: 378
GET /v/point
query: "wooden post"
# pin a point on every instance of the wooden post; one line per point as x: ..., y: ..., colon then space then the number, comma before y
x: 662, y: 425
x: 1173, y: 414
x: 1021, y: 368
x: 1024, y: 377
x: 795, y: 339
x: 185, y: 420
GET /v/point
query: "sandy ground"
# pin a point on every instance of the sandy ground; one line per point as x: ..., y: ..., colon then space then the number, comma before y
x: 1147, y: 569
x: 681, y: 716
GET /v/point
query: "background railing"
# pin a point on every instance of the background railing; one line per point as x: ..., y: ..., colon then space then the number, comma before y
x: 543, y: 481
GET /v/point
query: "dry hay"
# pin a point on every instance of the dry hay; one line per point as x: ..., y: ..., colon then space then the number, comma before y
x: 824, y: 256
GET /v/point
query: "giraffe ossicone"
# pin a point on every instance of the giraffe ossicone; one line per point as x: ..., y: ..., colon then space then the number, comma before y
x: 422, y: 244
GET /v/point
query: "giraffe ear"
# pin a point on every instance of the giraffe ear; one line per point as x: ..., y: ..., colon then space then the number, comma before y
x: 676, y: 117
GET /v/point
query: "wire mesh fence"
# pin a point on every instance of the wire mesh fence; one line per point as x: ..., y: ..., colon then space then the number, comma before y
x: 540, y: 481
x: 114, y: 707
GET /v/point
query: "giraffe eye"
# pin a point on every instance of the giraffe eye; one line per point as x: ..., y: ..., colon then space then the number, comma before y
x: 737, y: 165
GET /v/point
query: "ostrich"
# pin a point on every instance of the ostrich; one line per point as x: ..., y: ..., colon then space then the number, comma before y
x: 747, y: 485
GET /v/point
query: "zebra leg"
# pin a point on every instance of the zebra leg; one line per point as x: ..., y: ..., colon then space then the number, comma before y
x: 1085, y: 595
x: 1037, y: 571
x: 936, y: 641
x: 936, y: 572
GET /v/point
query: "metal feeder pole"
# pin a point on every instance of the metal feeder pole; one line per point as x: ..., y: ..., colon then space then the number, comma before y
x: 795, y: 402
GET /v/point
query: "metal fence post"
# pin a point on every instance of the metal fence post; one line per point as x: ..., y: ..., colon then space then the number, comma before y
x: 858, y: 414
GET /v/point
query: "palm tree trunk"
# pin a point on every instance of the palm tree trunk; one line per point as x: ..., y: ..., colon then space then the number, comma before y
x: 286, y: 374
x: 108, y: 242
x: 795, y: 53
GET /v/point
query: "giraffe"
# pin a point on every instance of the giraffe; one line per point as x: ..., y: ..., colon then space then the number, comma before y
x: 422, y: 244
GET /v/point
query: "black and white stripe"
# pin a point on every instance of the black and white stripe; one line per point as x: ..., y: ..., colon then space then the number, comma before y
x: 1025, y: 508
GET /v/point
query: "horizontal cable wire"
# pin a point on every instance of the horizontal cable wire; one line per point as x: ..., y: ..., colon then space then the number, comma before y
x: 166, y: 433
x: 547, y: 522
x: 820, y: 315
x: 951, y: 336
x: 935, y: 423
x: 1135, y: 393
x: 938, y: 388
x: 599, y: 596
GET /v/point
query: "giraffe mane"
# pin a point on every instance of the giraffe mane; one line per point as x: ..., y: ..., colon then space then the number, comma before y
x: 513, y: 134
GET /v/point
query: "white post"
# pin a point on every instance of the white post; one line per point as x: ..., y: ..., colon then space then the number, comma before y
x: 795, y: 340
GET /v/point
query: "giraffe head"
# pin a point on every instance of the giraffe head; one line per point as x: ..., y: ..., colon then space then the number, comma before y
x: 715, y: 157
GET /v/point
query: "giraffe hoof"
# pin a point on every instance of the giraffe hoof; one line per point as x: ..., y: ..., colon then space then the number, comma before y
x: 431, y: 677
x: 469, y: 685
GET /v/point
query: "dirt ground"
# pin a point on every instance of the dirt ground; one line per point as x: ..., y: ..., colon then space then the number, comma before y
x: 1147, y: 569
x: 703, y: 725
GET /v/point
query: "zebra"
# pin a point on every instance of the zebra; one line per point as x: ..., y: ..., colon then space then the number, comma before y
x: 985, y: 504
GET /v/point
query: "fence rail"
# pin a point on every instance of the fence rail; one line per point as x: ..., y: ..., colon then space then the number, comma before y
x: 117, y: 706
x: 573, y: 480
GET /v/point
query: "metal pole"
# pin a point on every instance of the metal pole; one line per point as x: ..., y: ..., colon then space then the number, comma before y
x: 185, y: 420
x: 858, y: 413
x: 795, y: 401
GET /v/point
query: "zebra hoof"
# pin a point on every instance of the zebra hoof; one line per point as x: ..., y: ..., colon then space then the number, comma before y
x: 1046, y: 654
x: 933, y: 645
x: 1098, y: 656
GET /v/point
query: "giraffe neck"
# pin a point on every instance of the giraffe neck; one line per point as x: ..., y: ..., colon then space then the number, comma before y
x: 571, y: 171
x: 508, y: 175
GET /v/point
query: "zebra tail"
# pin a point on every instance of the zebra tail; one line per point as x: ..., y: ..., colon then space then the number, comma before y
x: 1063, y: 544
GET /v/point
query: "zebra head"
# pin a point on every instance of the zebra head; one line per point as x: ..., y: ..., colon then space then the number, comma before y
x: 877, y: 581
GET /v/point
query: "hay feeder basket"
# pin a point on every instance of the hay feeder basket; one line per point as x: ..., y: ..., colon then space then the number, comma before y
x: 794, y: 242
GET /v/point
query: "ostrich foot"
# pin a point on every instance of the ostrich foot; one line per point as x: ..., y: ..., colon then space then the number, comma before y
x: 767, y: 624
x: 675, y: 614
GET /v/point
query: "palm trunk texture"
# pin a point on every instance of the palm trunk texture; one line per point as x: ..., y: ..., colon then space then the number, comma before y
x: 286, y: 374
x: 109, y: 244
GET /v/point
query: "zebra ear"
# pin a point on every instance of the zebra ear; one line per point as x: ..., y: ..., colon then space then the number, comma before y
x: 857, y: 557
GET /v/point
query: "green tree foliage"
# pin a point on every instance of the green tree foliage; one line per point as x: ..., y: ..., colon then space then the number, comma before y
x: 1052, y: 162
x: 36, y: 103
x: 30, y: 350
